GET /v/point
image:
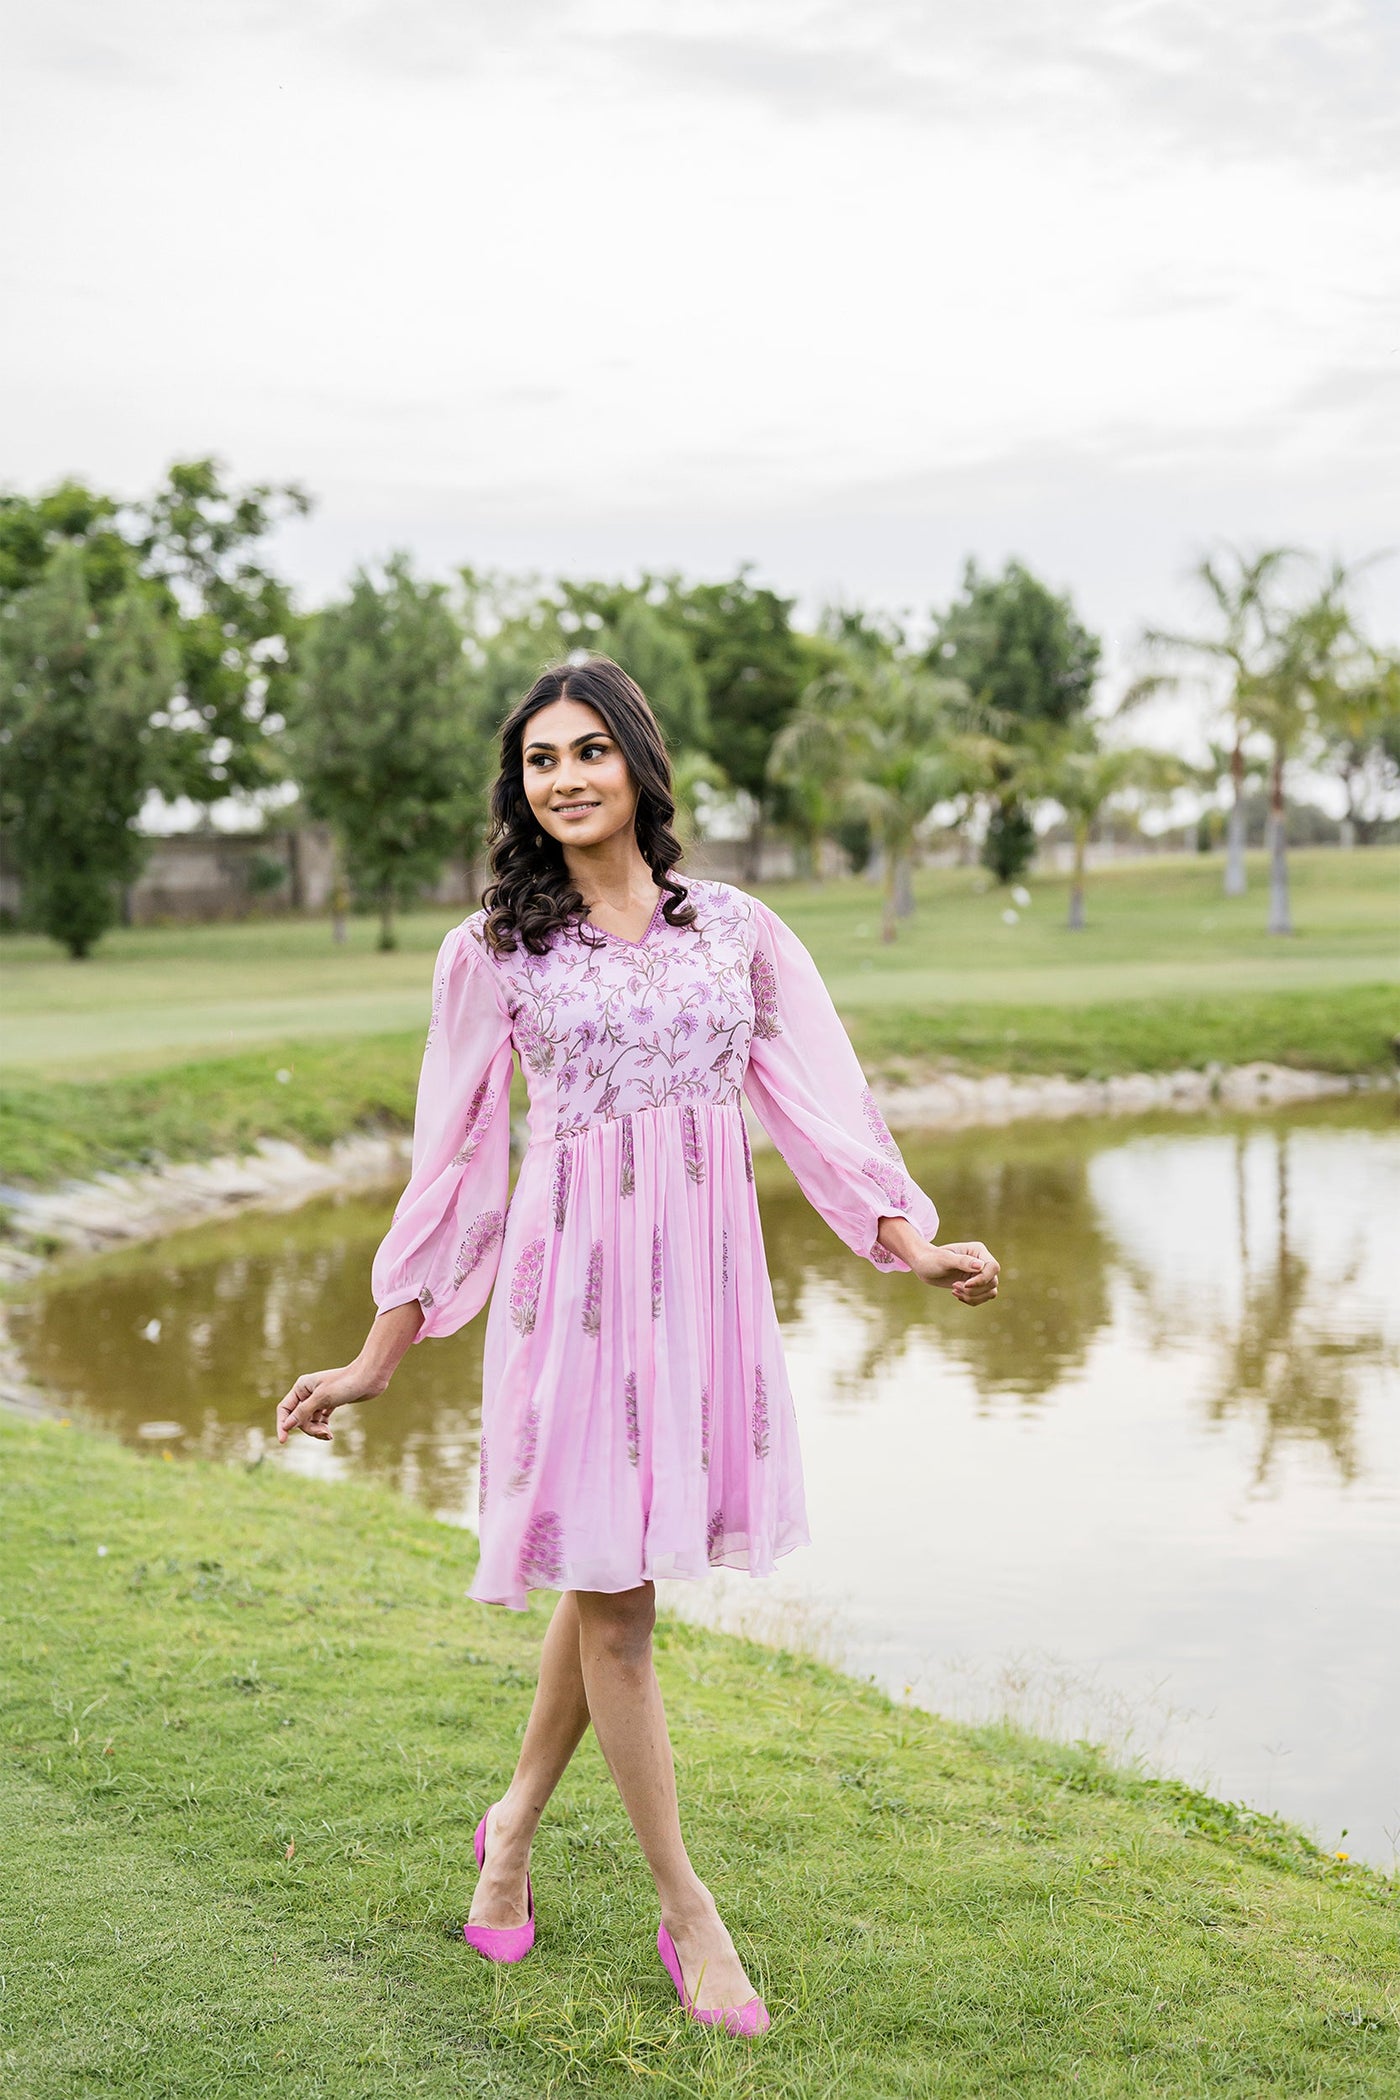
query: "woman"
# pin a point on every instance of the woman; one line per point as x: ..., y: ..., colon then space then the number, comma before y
x: 637, y: 1421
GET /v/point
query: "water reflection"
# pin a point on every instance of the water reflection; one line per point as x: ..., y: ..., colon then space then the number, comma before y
x: 208, y: 1332
x: 1285, y: 1307
x: 1164, y: 1467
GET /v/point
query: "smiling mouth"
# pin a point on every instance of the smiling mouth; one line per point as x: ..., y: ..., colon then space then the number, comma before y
x: 574, y: 809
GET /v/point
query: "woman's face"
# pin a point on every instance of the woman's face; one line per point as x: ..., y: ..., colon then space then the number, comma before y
x: 576, y: 778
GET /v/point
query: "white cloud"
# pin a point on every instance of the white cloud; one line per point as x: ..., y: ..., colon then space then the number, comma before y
x: 850, y: 289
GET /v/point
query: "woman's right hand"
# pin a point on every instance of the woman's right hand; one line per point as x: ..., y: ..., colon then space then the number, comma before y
x: 314, y: 1397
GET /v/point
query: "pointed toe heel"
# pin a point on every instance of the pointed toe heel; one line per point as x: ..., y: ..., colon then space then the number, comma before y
x: 500, y: 1942
x: 742, y: 2021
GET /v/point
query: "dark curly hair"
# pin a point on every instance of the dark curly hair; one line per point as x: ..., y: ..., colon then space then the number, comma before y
x: 531, y: 896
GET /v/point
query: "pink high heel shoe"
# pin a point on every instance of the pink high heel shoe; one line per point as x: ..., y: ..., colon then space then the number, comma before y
x: 742, y: 2020
x: 500, y: 1942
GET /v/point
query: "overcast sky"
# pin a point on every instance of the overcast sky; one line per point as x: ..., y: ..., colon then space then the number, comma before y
x: 851, y: 289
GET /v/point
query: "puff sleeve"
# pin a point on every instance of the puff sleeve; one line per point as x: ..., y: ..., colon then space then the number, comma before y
x: 444, y: 1244
x: 808, y: 1091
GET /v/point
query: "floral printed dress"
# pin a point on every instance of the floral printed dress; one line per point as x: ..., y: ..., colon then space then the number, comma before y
x: 637, y: 1420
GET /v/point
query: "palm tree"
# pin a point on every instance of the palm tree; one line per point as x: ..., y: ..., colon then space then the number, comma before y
x: 1356, y: 698
x: 1242, y: 644
x: 1310, y: 652
x: 1084, y: 779
x: 880, y: 742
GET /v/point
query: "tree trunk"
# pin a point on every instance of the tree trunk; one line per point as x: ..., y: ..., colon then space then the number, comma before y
x: 1280, y: 916
x: 753, y: 849
x: 387, y: 939
x: 1075, y: 922
x: 903, y: 885
x: 888, y: 921
x: 1348, y: 835
x: 1235, y: 880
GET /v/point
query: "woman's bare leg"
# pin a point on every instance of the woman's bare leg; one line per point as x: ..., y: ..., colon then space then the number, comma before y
x: 624, y: 1703
x: 558, y: 1719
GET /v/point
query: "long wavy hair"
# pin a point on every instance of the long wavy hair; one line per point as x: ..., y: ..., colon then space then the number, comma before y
x: 530, y: 895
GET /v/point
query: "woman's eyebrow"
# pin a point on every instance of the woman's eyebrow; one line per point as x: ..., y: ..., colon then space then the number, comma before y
x: 594, y: 736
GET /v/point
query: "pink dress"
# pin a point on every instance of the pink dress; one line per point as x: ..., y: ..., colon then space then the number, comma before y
x: 637, y: 1420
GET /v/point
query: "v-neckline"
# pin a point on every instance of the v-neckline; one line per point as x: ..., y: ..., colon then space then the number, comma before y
x: 626, y: 941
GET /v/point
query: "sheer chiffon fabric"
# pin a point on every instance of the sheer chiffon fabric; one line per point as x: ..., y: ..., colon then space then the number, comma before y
x: 637, y: 1420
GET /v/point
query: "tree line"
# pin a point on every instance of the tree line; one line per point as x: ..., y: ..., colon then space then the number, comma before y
x: 150, y: 647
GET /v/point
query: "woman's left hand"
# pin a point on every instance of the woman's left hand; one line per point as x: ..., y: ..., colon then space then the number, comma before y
x: 966, y: 1269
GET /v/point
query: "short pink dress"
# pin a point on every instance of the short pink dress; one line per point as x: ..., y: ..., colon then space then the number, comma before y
x: 637, y: 1420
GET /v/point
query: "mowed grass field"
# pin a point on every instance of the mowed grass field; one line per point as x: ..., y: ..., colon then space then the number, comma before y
x: 168, y: 1040
x: 249, y: 1722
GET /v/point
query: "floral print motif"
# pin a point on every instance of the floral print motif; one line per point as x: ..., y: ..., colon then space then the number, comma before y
x: 479, y: 1113
x: 760, y: 1413
x: 482, y: 1235
x: 525, y: 1287
x: 879, y: 1129
x: 629, y: 1405
x: 765, y: 998
x: 714, y: 1532
x: 881, y: 1256
x: 563, y: 1175
x: 592, y: 1315
x: 426, y: 1299
x: 535, y: 1046
x: 623, y: 1026
x: 542, y: 1552
x: 483, y: 1473
x: 628, y: 1177
x: 723, y: 1260
x: 525, y: 1450
x: 887, y: 1181
x: 704, y: 1429
x: 656, y: 1273
x: 748, y: 1155
x: 691, y: 1148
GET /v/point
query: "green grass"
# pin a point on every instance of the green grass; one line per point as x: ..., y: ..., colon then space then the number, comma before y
x: 1158, y: 930
x: 166, y: 1044
x: 245, y: 1747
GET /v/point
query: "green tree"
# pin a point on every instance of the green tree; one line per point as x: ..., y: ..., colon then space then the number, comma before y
x: 1086, y: 779
x: 383, y: 737
x: 195, y: 543
x: 1239, y: 648
x: 878, y: 739
x: 1356, y: 698
x: 86, y: 730
x: 755, y: 668
x: 1029, y: 666
x: 1310, y: 652
x: 238, y: 631
x: 33, y: 529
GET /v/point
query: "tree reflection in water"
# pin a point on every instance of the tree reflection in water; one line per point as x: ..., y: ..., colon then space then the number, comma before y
x: 1288, y: 1343
x: 207, y: 1331
x: 1096, y: 1225
x: 1025, y: 1192
x: 1285, y: 1362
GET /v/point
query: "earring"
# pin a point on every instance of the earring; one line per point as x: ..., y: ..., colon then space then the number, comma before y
x: 538, y: 840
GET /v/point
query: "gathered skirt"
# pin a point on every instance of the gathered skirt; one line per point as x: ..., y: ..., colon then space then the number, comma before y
x: 637, y: 1422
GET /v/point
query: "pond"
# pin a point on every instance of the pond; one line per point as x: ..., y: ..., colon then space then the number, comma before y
x: 1151, y: 1497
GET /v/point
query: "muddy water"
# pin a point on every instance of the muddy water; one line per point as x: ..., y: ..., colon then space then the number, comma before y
x: 1151, y: 1497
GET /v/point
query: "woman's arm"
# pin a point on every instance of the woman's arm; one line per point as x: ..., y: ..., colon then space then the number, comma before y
x: 314, y: 1396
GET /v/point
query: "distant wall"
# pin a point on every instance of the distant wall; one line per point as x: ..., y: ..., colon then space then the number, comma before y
x: 204, y: 876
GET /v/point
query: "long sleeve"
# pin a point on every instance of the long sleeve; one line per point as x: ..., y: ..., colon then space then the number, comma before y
x: 810, y: 1094
x: 444, y: 1244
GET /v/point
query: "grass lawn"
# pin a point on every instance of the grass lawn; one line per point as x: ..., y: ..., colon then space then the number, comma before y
x: 250, y: 1720
x: 168, y: 1041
